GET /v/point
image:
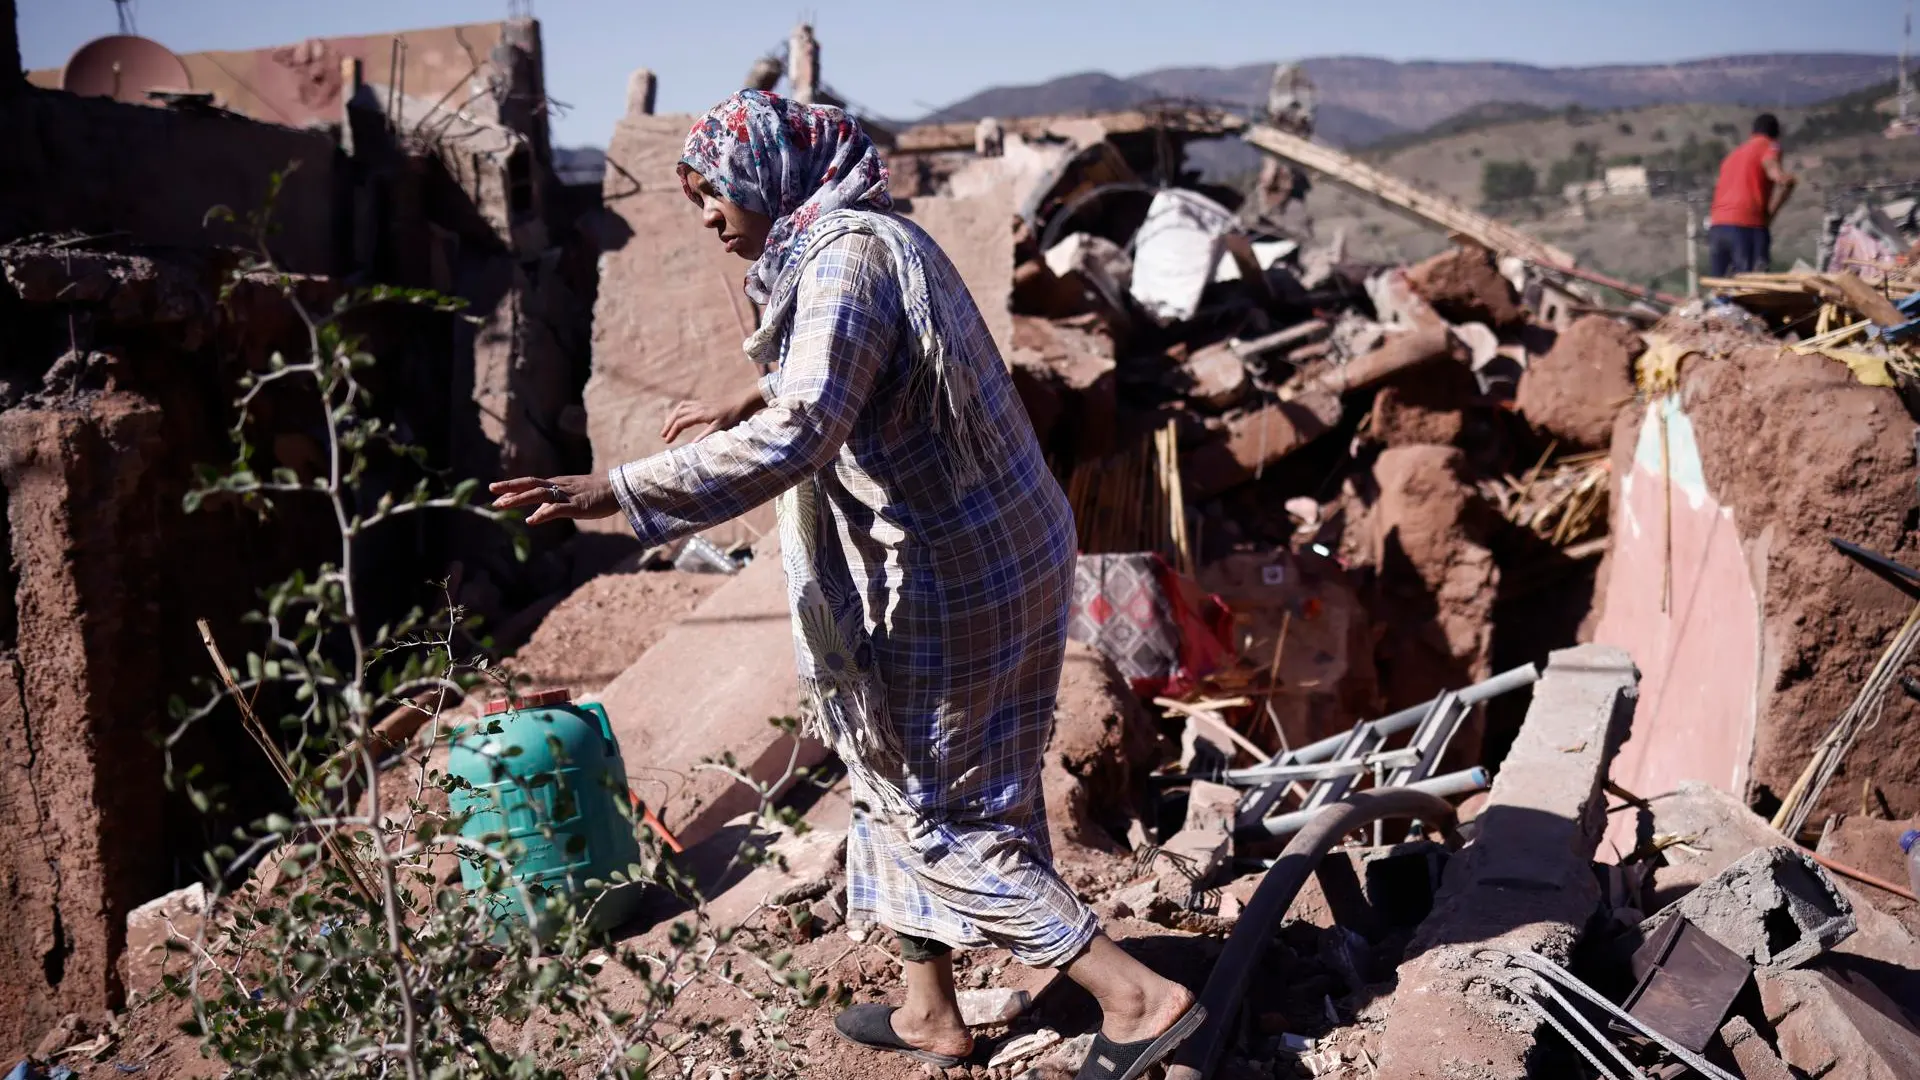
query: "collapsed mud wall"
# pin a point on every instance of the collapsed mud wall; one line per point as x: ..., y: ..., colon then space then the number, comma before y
x: 1765, y: 633
x: 79, y: 760
x: 113, y: 387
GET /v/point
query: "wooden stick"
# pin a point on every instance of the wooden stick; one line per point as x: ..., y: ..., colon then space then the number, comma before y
x: 1862, y: 876
x: 1179, y: 501
x: 1666, y: 516
x: 1533, y: 474
x: 259, y: 731
x: 1203, y: 705
x: 1279, y: 644
x: 1213, y: 718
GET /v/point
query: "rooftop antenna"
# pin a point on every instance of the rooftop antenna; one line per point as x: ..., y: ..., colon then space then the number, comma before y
x: 124, y: 10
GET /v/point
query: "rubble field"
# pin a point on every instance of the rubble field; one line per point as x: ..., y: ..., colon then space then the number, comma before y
x: 1480, y: 668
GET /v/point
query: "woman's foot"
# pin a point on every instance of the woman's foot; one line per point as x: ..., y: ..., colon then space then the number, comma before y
x: 1136, y: 1002
x: 936, y: 1031
x: 1146, y: 1014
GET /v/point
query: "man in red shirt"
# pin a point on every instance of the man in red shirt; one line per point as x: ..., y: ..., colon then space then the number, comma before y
x: 1751, y: 190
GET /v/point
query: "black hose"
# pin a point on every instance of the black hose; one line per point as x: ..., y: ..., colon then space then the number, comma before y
x: 1247, y: 945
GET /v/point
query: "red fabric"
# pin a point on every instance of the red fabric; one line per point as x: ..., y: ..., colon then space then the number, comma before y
x: 1741, y: 195
x: 1206, y: 625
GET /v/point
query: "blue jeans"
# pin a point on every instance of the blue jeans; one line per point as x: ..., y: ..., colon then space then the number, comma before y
x: 1738, y: 249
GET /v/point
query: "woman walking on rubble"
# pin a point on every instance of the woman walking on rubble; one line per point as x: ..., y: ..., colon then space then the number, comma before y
x: 929, y: 558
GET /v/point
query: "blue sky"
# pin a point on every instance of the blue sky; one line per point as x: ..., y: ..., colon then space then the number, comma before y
x: 903, y: 57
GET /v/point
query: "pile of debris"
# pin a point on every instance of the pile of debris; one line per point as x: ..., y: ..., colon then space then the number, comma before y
x: 1873, y: 328
x: 1335, y: 519
x: 1315, y: 471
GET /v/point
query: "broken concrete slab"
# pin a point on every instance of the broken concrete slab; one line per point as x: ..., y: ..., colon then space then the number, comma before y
x: 1776, y: 907
x: 993, y: 1005
x: 1217, y: 376
x: 1192, y: 857
x: 1024, y: 1047
x: 708, y: 687
x: 807, y: 864
x: 1718, y: 830
x: 1523, y: 885
x: 1064, y: 373
x: 794, y: 869
x: 176, y: 917
x: 1756, y: 1059
x: 1255, y: 441
x: 1830, y: 1020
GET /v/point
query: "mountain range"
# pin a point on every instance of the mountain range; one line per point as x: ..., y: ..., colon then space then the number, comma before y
x: 1364, y: 99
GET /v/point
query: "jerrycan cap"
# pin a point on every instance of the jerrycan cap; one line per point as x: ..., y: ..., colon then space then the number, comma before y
x: 538, y: 699
x: 1908, y: 839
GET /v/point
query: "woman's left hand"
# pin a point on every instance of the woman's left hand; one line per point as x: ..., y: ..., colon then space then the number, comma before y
x: 562, y: 497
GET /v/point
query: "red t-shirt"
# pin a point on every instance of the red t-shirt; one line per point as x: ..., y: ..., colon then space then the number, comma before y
x: 1740, y: 198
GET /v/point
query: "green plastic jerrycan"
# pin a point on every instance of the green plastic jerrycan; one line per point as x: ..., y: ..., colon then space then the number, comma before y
x: 551, y: 763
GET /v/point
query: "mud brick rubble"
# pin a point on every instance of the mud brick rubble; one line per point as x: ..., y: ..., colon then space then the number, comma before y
x: 1340, y: 491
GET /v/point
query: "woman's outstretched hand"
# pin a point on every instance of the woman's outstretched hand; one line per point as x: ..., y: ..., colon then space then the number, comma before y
x: 562, y: 497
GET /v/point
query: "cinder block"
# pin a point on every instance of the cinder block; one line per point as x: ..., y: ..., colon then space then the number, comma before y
x: 1777, y: 907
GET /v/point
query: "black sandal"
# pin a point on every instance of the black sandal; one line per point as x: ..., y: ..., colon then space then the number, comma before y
x: 871, y: 1026
x: 1109, y: 1060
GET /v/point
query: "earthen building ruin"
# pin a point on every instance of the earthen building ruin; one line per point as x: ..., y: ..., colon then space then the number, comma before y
x: 1491, y: 529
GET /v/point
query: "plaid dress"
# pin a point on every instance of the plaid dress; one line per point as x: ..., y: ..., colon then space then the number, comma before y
x: 964, y: 591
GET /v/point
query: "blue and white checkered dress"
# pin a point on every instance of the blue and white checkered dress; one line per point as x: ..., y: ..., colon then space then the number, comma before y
x: 965, y: 594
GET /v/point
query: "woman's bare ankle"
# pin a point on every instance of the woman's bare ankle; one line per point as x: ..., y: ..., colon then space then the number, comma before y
x: 936, y: 1030
x: 1158, y: 1007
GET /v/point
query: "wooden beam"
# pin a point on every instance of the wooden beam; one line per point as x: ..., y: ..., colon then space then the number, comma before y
x: 1850, y: 291
x: 1195, y: 122
x: 1397, y: 194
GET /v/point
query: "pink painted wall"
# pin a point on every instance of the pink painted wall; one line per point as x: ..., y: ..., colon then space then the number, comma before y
x: 1695, y: 639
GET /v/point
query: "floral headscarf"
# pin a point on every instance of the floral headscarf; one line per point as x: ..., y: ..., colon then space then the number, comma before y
x: 792, y: 162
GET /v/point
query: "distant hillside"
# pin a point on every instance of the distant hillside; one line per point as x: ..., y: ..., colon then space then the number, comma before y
x: 1365, y: 100
x: 1833, y: 146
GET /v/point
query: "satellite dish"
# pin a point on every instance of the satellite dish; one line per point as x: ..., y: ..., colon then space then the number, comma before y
x: 123, y: 67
